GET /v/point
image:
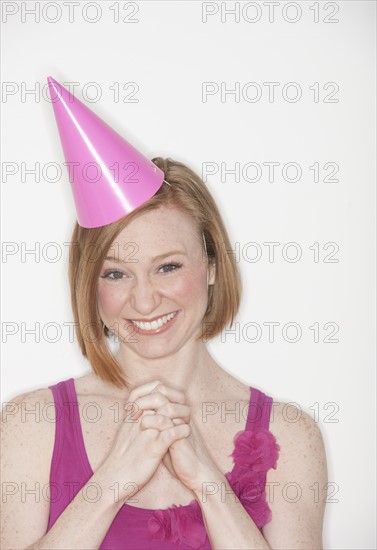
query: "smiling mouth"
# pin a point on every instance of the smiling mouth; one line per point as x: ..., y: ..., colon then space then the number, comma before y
x: 156, y: 324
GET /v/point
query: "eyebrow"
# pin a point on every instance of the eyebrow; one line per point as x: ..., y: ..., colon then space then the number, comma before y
x: 159, y: 257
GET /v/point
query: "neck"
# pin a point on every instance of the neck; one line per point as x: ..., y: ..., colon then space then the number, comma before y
x: 190, y: 370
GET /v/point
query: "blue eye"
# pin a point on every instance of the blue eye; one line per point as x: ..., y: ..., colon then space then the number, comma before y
x: 106, y: 275
x: 176, y: 266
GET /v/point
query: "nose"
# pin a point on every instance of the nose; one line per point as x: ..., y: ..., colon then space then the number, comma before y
x: 145, y: 297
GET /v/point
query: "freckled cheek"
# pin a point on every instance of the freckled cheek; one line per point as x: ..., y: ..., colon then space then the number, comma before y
x: 110, y: 300
x: 188, y: 289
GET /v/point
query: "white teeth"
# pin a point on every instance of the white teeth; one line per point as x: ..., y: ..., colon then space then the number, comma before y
x: 155, y: 324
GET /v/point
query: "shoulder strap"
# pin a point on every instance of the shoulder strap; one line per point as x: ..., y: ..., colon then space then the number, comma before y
x: 259, y: 410
x: 64, y: 425
x: 66, y: 474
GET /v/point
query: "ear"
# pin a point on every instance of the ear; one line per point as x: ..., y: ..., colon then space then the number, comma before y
x: 211, y: 273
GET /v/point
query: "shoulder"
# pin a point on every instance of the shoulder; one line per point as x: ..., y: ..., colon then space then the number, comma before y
x: 27, y: 408
x: 297, y: 487
x: 13, y: 407
x: 28, y: 419
x: 20, y: 405
x: 302, y: 450
x: 294, y: 427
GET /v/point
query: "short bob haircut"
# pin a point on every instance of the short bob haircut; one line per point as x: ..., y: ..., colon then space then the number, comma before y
x: 89, y: 247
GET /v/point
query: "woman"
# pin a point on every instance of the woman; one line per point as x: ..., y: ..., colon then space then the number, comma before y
x: 159, y: 447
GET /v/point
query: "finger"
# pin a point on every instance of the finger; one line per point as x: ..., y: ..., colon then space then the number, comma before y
x: 175, y: 410
x: 131, y: 407
x: 146, y: 412
x: 172, y: 394
x: 169, y: 436
x: 157, y: 421
x: 178, y: 421
x: 143, y: 389
x: 132, y: 411
x: 155, y: 398
x: 151, y: 401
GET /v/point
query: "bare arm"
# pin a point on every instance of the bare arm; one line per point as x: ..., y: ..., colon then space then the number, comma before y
x: 24, y: 458
x: 27, y: 446
x: 296, y: 493
x: 27, y: 439
x: 227, y: 523
x: 83, y: 524
x: 297, y: 489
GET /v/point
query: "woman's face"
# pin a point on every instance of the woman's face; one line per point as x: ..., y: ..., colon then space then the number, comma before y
x: 161, y: 271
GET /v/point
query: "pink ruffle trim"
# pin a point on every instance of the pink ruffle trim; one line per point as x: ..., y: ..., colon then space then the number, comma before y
x: 255, y: 452
x: 179, y: 525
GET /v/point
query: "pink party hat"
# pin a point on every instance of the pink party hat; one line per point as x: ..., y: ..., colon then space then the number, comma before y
x: 109, y: 177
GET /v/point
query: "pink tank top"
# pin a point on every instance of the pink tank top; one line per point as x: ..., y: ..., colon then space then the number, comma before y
x: 255, y: 451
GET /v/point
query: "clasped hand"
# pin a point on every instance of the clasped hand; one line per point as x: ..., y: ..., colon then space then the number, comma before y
x: 163, y: 409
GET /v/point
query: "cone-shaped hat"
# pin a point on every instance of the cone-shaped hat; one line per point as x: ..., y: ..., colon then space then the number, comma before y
x: 109, y: 177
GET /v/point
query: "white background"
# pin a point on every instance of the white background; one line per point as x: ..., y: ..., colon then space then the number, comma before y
x: 169, y: 53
